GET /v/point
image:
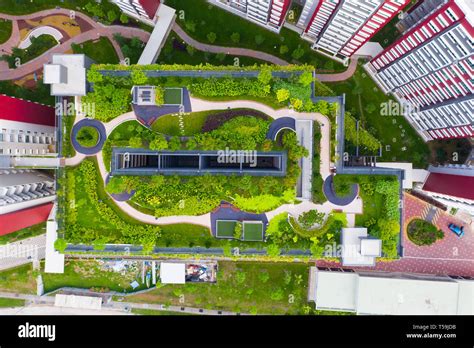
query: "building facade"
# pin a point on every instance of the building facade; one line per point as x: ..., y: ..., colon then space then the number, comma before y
x: 267, y: 13
x: 26, y: 128
x: 451, y: 185
x: 143, y: 10
x: 340, y: 27
x: 430, y: 69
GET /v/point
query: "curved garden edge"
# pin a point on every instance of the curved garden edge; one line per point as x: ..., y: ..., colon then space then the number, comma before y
x: 205, y: 220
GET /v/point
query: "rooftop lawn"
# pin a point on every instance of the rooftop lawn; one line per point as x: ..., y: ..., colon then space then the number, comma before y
x: 11, y: 302
x: 252, y: 231
x: 202, y: 18
x: 247, y: 287
x: 101, y: 51
x: 175, y: 51
x: 364, y: 100
x: 173, y: 96
x: 5, y: 30
x: 226, y: 228
x: 19, y: 279
x: 193, y: 122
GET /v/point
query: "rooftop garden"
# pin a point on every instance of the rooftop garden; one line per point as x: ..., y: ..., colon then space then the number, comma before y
x: 381, y: 214
x: 39, y: 45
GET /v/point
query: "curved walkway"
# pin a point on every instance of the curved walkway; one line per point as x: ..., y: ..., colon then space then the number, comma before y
x: 99, y: 126
x: 227, y: 50
x: 351, y: 69
x: 37, y: 63
x: 328, y: 189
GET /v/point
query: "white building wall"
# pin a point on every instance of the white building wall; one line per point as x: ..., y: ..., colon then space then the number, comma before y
x: 20, y: 139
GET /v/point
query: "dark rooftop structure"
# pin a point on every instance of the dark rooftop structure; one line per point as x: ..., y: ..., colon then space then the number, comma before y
x: 128, y: 161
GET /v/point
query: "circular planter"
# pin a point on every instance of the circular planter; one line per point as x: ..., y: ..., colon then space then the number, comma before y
x: 88, y: 136
x: 421, y: 232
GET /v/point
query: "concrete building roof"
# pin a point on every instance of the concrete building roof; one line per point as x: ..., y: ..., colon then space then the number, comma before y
x: 165, y: 15
x: 357, y: 248
x: 391, y: 294
x: 54, y: 260
x: 172, y: 273
x: 66, y: 74
x: 74, y: 301
x: 20, y: 177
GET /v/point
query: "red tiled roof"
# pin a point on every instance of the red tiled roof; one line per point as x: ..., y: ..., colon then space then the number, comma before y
x: 14, y: 109
x: 150, y: 7
x: 452, y: 185
x: 17, y: 220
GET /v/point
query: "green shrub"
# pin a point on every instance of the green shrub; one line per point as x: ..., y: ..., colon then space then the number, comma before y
x: 87, y: 136
x: 422, y: 232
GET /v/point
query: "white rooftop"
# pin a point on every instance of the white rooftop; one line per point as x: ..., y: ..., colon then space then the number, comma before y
x: 165, y: 15
x: 66, y: 74
x: 391, y: 294
x: 54, y: 260
x: 336, y: 291
x: 73, y: 301
x: 358, y: 249
x: 172, y: 273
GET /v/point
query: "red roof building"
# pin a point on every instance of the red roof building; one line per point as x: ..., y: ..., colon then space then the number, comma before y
x: 457, y: 186
x: 20, y: 219
x: 150, y: 7
x: 20, y: 110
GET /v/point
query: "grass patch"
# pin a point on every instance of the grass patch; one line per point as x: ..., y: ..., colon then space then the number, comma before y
x: 173, y: 96
x: 193, y: 123
x: 252, y: 231
x: 19, y: 279
x: 247, y: 287
x: 364, y: 101
x: 11, y: 302
x: 87, y: 275
x: 68, y: 123
x: 24, y: 233
x: 88, y: 136
x: 203, y: 18
x: 101, y: 51
x: 5, y: 30
x: 226, y: 229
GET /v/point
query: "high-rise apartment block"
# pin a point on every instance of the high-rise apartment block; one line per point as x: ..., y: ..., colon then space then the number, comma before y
x: 430, y: 69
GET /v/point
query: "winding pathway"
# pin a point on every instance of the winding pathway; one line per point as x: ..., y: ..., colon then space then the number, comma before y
x: 99, y: 30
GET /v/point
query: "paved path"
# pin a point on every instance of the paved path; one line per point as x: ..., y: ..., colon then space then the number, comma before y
x: 328, y: 189
x: 99, y: 127
x: 340, y: 76
x: 99, y: 30
x: 227, y: 50
x: 22, y: 252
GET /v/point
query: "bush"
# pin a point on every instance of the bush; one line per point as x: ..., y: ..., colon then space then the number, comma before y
x: 235, y: 37
x: 422, y: 232
x: 259, y: 39
x: 283, y: 49
x: 87, y: 136
x: 211, y: 37
x: 298, y: 53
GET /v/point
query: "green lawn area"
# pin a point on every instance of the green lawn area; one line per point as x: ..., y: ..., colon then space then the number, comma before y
x: 252, y: 231
x: 173, y: 96
x: 11, y: 302
x: 101, y: 51
x: 19, y: 279
x: 202, y: 18
x: 176, y: 52
x: 39, y: 45
x: 5, y: 30
x: 24, y: 233
x: 364, y: 100
x: 226, y: 228
x: 141, y: 311
x: 193, y: 123
x: 68, y: 149
x: 88, y: 274
x: 247, y: 287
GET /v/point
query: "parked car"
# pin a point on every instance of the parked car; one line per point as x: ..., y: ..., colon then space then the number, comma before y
x: 459, y: 231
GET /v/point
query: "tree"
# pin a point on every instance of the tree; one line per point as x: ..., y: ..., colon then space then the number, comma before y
x: 190, y: 49
x: 191, y: 144
x: 135, y: 142
x: 124, y: 18
x: 296, y: 103
x: 139, y: 77
x: 265, y: 75
x: 159, y: 143
x: 235, y: 37
x: 60, y: 245
x: 282, y: 95
x: 273, y: 250
x: 259, y: 39
x: 238, y: 230
x: 283, y: 49
x: 112, y: 16
x: 211, y: 37
x: 298, y: 53
x: 93, y: 76
x: 220, y: 56
x: 306, y: 78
